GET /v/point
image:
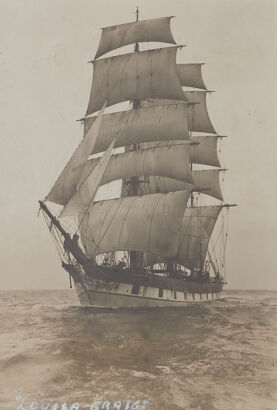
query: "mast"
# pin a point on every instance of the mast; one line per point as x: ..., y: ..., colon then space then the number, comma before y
x: 133, y: 184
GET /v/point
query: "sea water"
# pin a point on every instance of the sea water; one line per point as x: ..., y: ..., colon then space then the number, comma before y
x: 219, y: 355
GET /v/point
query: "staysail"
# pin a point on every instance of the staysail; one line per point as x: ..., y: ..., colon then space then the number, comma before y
x: 66, y: 183
x: 88, y: 186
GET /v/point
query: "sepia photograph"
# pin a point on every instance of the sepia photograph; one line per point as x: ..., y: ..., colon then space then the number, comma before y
x: 138, y: 221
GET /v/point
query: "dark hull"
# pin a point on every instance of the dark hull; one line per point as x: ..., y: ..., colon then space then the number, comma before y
x: 110, y: 287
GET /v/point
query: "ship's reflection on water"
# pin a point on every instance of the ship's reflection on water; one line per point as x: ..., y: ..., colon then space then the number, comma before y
x: 219, y: 355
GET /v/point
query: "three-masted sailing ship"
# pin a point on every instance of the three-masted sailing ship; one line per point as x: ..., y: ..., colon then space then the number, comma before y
x: 150, y: 245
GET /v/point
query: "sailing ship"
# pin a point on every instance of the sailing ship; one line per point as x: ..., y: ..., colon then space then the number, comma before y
x: 149, y: 246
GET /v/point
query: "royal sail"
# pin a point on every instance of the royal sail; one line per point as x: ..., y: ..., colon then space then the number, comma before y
x: 156, y: 30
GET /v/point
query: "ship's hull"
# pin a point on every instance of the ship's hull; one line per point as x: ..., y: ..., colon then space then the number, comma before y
x: 110, y: 288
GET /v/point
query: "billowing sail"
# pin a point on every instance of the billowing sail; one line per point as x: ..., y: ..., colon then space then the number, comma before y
x: 208, y: 181
x: 88, y: 186
x: 190, y: 75
x: 156, y: 30
x: 148, y: 223
x: 197, y: 227
x: 135, y: 76
x: 198, y: 116
x: 199, y: 120
x: 66, y: 183
x: 205, y: 181
x: 172, y: 162
x: 137, y: 126
x: 203, y: 149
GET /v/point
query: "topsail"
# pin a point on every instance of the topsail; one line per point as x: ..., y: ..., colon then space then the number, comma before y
x: 135, y: 76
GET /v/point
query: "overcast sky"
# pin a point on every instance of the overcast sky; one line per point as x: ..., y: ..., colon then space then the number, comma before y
x: 45, y: 85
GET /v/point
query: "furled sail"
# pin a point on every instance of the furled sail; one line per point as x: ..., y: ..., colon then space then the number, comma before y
x: 198, y: 116
x: 156, y: 30
x: 205, y: 181
x: 172, y: 162
x: 145, y: 74
x: 88, y: 186
x: 197, y: 226
x: 190, y: 75
x: 148, y: 223
x: 144, y: 124
x: 66, y: 183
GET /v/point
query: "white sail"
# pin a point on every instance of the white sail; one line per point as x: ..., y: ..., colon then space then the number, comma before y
x: 66, y: 183
x: 205, y: 150
x: 113, y: 37
x: 198, y: 116
x: 205, y: 181
x: 190, y: 75
x: 147, y: 223
x: 135, y: 76
x: 172, y: 162
x: 199, y: 119
x: 140, y: 125
x: 197, y: 227
x: 86, y: 190
x: 202, y: 149
x: 208, y: 182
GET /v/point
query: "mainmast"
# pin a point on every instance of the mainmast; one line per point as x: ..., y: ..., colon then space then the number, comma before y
x: 133, y: 184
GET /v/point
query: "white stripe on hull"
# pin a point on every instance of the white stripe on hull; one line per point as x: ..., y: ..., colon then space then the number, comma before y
x: 100, y: 294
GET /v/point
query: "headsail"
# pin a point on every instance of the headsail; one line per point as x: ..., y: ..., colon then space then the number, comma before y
x: 135, y: 76
x: 113, y: 37
x: 66, y: 183
x: 88, y: 186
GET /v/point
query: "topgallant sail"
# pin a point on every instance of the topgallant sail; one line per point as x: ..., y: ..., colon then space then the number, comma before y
x: 151, y: 246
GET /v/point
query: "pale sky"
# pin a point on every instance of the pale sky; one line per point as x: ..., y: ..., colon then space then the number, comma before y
x: 45, y: 85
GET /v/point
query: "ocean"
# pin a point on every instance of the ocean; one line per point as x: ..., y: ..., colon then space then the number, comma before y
x: 58, y: 355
